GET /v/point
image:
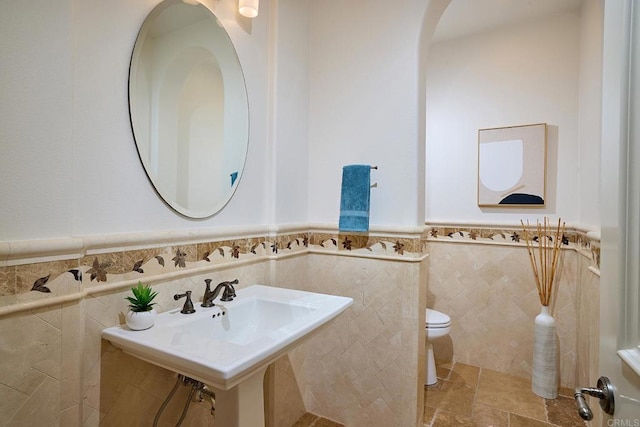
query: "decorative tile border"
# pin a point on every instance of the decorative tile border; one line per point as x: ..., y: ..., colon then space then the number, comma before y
x: 33, y: 281
x: 581, y: 241
x: 364, y: 244
x: 26, y: 283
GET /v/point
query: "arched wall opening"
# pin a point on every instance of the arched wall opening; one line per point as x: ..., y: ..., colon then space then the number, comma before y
x: 541, y: 65
x: 485, y: 277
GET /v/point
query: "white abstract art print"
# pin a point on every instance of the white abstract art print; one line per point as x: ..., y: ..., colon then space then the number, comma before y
x: 512, y: 166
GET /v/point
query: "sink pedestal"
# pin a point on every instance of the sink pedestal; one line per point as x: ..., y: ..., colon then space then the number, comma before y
x: 243, y: 404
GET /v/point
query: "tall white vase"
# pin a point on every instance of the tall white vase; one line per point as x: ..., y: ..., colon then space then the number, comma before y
x: 545, y: 373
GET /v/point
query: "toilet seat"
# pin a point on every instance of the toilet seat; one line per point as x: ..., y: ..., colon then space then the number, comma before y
x: 437, y: 325
x: 436, y: 320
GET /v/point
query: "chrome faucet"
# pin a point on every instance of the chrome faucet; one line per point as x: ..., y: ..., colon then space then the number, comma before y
x: 227, y: 295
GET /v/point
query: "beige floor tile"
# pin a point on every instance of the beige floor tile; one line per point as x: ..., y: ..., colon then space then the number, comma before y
x: 324, y: 422
x: 562, y: 412
x: 442, y: 373
x: 488, y: 416
x: 509, y: 393
x: 455, y: 397
x: 306, y: 420
x: 428, y: 415
x: 445, y: 364
x: 518, y: 421
x: 466, y: 374
x: 449, y: 419
x: 433, y: 394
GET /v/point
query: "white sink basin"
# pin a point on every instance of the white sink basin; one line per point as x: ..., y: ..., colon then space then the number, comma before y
x: 224, y: 345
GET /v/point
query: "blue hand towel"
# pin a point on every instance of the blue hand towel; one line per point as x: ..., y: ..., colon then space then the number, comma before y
x: 355, y: 198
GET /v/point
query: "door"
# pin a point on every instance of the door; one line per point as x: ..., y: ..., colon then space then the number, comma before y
x: 620, y: 200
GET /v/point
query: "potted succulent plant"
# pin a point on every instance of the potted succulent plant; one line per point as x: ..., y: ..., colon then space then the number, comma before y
x: 141, y: 314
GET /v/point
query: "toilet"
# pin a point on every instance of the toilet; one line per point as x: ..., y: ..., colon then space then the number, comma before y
x: 437, y: 325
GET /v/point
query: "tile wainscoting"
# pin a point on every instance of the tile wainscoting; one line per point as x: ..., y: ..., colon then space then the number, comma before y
x: 481, y: 277
x: 361, y: 370
x: 56, y: 297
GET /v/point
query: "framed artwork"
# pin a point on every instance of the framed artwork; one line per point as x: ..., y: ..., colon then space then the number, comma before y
x: 512, y: 166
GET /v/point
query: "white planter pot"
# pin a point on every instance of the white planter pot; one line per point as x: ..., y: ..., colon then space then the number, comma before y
x: 140, y: 320
x: 545, y: 372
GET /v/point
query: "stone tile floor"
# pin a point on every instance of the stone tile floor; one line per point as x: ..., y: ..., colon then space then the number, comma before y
x: 311, y: 420
x: 467, y: 395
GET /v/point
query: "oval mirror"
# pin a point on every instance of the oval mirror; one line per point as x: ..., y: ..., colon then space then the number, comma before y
x: 188, y: 107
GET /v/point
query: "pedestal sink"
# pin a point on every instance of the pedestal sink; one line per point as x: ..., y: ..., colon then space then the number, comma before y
x: 229, y: 346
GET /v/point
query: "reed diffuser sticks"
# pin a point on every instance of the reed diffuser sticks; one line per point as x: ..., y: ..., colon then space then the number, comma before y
x: 544, y: 258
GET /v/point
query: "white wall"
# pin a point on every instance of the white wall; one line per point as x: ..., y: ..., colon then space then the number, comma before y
x: 523, y: 74
x: 363, y: 106
x: 68, y: 163
x: 36, y: 116
x: 337, y: 85
x: 290, y: 136
x: 590, y: 111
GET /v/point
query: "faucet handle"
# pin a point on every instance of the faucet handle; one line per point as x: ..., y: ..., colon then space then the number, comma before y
x: 229, y: 292
x: 207, y: 301
x: 187, y: 308
x: 231, y: 283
